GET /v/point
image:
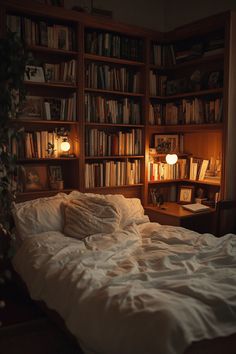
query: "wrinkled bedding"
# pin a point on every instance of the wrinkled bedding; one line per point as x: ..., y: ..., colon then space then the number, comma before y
x: 143, y: 289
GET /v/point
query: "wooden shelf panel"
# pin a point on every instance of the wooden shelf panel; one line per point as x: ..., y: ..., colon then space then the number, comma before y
x: 189, y: 94
x: 114, y: 157
x: 164, y: 155
x: 42, y: 121
x: 119, y: 93
x: 185, y: 127
x: 205, y: 181
x: 48, y: 50
x: 95, y: 57
x: 48, y: 159
x: 51, y: 84
x: 114, y: 187
x: 22, y: 196
x: 194, y: 62
x: 111, y: 125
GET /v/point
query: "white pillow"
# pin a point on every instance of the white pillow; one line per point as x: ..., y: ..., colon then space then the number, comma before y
x: 39, y: 215
x: 131, y: 209
x: 90, y: 215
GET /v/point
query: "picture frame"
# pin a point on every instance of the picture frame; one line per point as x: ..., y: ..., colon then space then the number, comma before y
x: 32, y: 108
x: 35, y: 178
x: 186, y: 194
x: 34, y: 73
x: 55, y: 173
x: 166, y: 144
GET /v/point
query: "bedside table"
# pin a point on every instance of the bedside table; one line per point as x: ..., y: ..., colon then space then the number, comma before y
x: 174, y: 214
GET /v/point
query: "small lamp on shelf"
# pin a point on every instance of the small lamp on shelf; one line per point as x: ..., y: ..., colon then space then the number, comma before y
x: 64, y: 142
x: 171, y: 159
x: 65, y: 146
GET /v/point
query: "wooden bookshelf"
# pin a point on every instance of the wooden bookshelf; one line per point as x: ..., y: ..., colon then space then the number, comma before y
x: 203, y: 140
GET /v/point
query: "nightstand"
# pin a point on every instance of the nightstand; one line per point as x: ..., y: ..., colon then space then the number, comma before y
x: 174, y: 214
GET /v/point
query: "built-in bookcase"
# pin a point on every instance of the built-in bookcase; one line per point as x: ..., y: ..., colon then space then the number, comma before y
x: 114, y: 90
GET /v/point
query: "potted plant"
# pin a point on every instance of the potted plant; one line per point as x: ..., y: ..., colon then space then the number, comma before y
x: 14, y: 58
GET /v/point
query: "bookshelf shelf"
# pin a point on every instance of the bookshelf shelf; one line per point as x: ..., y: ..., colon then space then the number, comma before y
x: 93, y: 57
x: 114, y: 157
x: 216, y: 91
x: 22, y: 196
x: 47, y: 159
x: 138, y: 185
x: 54, y: 51
x: 180, y: 180
x: 51, y: 85
x: 189, y: 63
x: 43, y: 121
x: 185, y: 128
x: 111, y: 125
x: 114, y: 93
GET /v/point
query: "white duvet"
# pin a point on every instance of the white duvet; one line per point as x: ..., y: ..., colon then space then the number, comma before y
x: 142, y: 290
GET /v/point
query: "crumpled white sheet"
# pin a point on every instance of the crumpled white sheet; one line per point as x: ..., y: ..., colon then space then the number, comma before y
x: 146, y: 289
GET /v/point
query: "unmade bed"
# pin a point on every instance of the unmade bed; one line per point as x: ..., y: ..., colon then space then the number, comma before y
x: 122, y: 284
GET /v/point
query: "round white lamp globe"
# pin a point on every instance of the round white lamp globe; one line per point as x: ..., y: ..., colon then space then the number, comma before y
x: 171, y: 159
x: 65, y: 146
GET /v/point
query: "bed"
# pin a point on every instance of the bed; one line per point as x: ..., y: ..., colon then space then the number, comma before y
x: 122, y: 284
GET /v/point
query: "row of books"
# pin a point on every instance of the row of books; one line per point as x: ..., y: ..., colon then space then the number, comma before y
x: 101, y: 143
x: 163, y: 55
x: 156, y: 114
x: 194, y: 169
x: 113, y: 45
x: 171, y: 54
x: 197, y: 169
x: 112, y: 173
x: 42, y: 33
x: 106, y: 77
x: 37, y: 144
x: 60, y: 72
x: 37, y: 107
x: 187, y: 111
x: 160, y: 171
x: 157, y: 83
x: 64, y: 72
x: 99, y: 109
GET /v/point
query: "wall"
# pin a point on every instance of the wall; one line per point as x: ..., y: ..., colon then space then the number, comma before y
x: 148, y: 14
x: 178, y: 13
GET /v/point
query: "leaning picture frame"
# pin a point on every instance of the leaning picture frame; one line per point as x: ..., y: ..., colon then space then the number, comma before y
x: 32, y: 108
x: 55, y: 173
x: 166, y: 144
x: 186, y: 194
x: 34, y: 73
x: 35, y: 178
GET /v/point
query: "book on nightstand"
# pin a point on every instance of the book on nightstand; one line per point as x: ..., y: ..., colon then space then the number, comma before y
x: 196, y: 207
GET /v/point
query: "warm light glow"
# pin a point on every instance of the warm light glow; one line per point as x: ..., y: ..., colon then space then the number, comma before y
x: 171, y: 159
x: 65, y: 145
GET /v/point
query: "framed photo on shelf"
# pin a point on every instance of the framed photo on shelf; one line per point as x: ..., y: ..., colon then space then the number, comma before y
x: 166, y: 144
x: 55, y: 173
x: 55, y: 177
x: 34, y: 73
x: 35, y: 178
x: 32, y: 108
x: 186, y: 194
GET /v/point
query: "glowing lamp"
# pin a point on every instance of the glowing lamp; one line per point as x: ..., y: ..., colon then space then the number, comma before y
x: 171, y: 159
x: 65, y: 145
